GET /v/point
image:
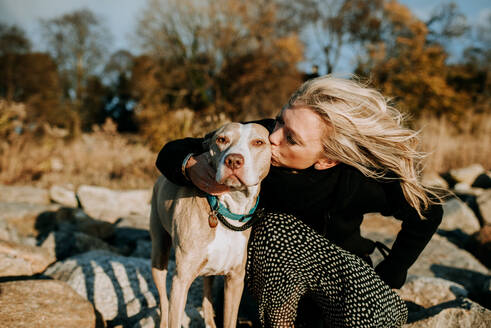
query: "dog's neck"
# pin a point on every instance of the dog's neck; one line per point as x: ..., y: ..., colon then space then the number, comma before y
x: 240, y: 201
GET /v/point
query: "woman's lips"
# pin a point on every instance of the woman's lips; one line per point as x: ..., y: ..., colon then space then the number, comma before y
x: 274, y: 162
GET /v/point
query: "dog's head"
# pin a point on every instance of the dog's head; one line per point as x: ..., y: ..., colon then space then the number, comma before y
x: 241, y: 154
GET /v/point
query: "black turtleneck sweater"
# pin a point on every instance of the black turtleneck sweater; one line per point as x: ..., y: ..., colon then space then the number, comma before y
x: 332, y: 202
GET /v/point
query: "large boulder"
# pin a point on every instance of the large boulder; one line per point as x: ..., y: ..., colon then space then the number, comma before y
x: 435, y: 302
x: 381, y: 225
x: 23, y: 217
x: 63, y: 195
x: 433, y: 179
x: 467, y: 174
x: 457, y: 215
x: 479, y: 244
x: 63, y: 244
x: 484, y: 203
x: 121, y: 288
x: 73, y: 219
x: 429, y: 291
x: 109, y: 205
x: 44, y: 304
x: 460, y: 313
x: 22, y: 260
x: 442, y: 259
x: 24, y: 194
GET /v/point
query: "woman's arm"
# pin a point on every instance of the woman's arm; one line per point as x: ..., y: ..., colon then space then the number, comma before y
x: 171, y: 156
x: 415, y: 234
x: 413, y: 237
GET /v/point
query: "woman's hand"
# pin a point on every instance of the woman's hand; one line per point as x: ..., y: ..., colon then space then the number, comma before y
x: 202, y: 175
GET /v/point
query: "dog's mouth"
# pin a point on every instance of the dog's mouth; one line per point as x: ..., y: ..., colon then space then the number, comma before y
x: 233, y: 181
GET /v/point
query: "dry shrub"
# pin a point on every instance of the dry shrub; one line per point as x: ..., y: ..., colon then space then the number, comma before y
x: 102, y: 158
x: 453, y: 146
x: 160, y: 125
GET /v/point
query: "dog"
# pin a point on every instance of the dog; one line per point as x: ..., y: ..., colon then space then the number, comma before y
x: 187, y: 219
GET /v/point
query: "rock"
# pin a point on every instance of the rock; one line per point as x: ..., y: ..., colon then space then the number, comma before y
x: 460, y: 313
x: 377, y: 223
x: 443, y: 259
x: 135, y: 221
x: 76, y: 219
x: 433, y: 179
x: 63, y: 195
x: 43, y: 304
x: 130, y: 241
x: 143, y: 249
x: 482, y: 181
x: 484, y: 203
x: 429, y: 291
x: 150, y: 318
x: 457, y: 215
x: 63, y: 244
x: 479, y: 244
x: 23, y: 217
x: 468, y: 174
x: 109, y: 205
x: 121, y: 288
x: 23, y: 194
x: 22, y: 260
x: 73, y: 219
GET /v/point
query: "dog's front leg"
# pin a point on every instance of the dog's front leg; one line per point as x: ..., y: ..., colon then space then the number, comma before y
x: 208, y: 312
x: 178, y: 297
x: 234, y: 285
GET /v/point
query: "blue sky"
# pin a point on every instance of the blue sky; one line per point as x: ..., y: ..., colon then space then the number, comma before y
x: 121, y: 16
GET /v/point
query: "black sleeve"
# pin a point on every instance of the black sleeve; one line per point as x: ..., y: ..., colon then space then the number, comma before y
x: 171, y: 156
x: 413, y: 237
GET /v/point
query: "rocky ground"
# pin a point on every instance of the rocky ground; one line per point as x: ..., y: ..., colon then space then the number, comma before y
x: 80, y: 258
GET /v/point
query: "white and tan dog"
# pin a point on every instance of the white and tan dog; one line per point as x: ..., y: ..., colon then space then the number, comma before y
x: 181, y: 217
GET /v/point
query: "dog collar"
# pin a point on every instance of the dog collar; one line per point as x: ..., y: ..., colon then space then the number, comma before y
x: 222, y: 210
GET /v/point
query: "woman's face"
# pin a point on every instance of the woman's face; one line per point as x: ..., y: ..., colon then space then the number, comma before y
x: 296, y: 140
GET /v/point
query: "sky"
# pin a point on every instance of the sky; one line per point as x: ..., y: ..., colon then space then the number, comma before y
x: 121, y: 16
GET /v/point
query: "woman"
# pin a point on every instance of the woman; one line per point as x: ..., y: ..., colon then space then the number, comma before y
x: 338, y: 151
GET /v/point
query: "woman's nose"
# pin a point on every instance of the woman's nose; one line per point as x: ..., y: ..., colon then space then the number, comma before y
x: 275, y: 137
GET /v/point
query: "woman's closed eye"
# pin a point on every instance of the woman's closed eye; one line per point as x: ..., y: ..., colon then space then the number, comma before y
x: 290, y: 140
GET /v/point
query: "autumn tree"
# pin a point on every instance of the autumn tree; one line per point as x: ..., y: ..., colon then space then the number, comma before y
x: 410, y: 67
x: 30, y: 78
x: 13, y: 43
x: 226, y: 56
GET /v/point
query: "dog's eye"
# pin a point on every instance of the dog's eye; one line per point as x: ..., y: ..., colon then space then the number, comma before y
x: 258, y: 142
x: 222, y: 140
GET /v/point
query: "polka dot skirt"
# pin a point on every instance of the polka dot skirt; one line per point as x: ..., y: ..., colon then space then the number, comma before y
x: 288, y: 260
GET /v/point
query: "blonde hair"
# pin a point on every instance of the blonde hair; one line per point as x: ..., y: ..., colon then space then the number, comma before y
x: 366, y: 133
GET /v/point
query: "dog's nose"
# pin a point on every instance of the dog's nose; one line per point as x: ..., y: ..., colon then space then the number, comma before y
x: 234, y: 161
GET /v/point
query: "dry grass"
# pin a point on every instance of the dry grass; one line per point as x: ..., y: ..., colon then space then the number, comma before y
x: 101, y: 158
x: 106, y: 158
x: 449, y: 146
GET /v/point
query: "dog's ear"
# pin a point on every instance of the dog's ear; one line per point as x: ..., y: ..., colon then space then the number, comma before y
x: 208, y: 140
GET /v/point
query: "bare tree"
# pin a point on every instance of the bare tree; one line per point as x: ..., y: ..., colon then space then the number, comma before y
x: 78, y: 42
x: 202, y: 46
x: 329, y: 27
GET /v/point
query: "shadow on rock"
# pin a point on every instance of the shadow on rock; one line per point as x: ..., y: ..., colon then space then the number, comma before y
x: 417, y: 312
x: 70, y: 231
x: 119, y: 287
x: 477, y: 290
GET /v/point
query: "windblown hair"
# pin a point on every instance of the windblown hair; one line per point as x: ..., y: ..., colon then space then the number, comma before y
x: 364, y: 131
